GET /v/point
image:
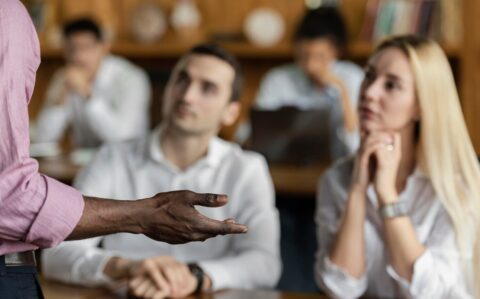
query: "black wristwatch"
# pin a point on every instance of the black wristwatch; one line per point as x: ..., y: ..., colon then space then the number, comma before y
x: 198, y: 273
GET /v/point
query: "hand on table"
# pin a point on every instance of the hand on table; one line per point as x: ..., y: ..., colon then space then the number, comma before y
x: 161, y: 277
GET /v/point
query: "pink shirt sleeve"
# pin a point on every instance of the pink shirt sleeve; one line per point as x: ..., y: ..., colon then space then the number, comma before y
x: 35, y: 211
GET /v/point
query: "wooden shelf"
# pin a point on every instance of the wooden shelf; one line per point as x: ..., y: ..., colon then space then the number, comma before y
x: 175, y: 47
x: 362, y: 49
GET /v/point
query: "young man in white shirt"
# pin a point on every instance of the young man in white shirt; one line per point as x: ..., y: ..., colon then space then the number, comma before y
x: 102, y: 97
x: 319, y: 80
x: 182, y: 153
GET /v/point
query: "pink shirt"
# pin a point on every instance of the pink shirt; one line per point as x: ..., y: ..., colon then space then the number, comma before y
x: 35, y: 210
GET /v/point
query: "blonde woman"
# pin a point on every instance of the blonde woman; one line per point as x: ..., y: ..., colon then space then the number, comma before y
x: 400, y: 218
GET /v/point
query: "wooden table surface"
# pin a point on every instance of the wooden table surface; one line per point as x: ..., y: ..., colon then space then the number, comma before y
x: 296, y: 180
x: 287, y: 179
x: 56, y: 290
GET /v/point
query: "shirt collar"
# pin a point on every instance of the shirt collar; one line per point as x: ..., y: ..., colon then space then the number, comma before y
x: 216, y: 150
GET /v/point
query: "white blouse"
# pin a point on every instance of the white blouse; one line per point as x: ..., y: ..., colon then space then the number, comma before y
x: 438, y: 273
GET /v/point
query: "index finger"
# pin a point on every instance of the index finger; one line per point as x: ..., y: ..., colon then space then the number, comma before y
x: 209, y: 199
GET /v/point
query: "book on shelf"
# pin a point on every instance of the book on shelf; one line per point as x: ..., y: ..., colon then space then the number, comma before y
x: 371, y: 12
x: 385, y: 19
x: 438, y: 19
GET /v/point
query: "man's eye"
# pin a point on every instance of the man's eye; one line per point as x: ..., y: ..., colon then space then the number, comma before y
x: 208, y: 88
x: 182, y: 79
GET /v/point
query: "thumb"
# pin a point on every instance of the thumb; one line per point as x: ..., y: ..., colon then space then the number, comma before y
x: 209, y: 200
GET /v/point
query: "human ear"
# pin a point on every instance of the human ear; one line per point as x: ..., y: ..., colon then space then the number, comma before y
x: 231, y: 113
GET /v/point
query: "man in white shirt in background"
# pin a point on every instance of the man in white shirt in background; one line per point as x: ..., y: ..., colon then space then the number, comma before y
x: 101, y: 96
x: 318, y: 79
x: 182, y: 153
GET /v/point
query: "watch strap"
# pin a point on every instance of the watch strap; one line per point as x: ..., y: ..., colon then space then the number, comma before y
x: 197, y: 271
x: 393, y: 210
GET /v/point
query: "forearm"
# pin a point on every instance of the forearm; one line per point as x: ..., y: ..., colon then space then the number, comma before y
x: 61, y: 98
x: 348, y: 249
x: 404, y: 248
x: 51, y: 124
x: 105, y: 216
x: 78, y: 262
x: 252, y: 270
x: 115, y: 124
x: 349, y: 115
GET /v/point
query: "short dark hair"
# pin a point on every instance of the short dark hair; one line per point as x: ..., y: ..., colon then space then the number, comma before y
x: 222, y: 54
x: 82, y: 25
x: 323, y: 22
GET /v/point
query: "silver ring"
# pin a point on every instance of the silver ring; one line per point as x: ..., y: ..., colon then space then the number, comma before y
x: 389, y: 147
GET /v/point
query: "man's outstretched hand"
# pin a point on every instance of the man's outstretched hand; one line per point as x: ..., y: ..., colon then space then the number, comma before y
x: 169, y: 217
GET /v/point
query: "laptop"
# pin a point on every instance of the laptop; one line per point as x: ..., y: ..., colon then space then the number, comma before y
x: 291, y: 136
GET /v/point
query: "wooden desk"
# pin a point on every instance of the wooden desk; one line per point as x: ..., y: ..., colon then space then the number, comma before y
x: 56, y: 290
x: 297, y: 180
x: 60, y: 168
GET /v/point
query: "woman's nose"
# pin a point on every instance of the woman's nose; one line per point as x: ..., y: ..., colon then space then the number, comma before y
x: 371, y: 90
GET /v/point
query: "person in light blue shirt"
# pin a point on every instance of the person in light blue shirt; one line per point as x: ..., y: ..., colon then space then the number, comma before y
x: 318, y: 79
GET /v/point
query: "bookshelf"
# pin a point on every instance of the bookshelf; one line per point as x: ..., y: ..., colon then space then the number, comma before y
x: 225, y: 18
x: 470, y: 70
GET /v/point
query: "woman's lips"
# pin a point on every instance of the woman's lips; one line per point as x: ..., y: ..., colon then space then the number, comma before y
x: 367, y: 113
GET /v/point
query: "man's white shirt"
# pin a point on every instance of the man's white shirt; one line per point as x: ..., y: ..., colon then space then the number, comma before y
x: 117, y: 110
x: 138, y: 169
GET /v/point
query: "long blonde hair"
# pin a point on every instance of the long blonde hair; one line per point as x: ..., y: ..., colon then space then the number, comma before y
x: 446, y: 153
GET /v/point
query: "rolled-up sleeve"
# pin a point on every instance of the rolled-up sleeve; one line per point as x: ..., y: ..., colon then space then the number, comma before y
x: 35, y: 211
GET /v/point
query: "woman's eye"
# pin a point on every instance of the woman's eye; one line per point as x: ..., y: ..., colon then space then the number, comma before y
x: 389, y: 85
x: 369, y: 76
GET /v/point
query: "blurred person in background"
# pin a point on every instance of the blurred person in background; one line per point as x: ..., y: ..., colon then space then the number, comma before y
x: 101, y: 97
x: 318, y: 79
x: 183, y: 152
x: 400, y: 219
